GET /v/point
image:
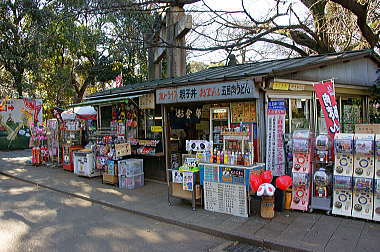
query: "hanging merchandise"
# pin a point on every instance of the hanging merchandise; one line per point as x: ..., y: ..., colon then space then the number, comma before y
x: 38, y: 139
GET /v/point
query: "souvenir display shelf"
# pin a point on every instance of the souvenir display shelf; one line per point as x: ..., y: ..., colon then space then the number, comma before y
x: 71, y: 141
x: 219, y: 121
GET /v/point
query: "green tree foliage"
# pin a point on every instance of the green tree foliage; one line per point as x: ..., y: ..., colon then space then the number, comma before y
x: 22, y: 24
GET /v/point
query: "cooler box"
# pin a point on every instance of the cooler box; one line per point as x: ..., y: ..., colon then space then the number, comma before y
x: 84, y: 164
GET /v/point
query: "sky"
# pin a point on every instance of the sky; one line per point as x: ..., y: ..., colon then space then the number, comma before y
x: 256, y: 8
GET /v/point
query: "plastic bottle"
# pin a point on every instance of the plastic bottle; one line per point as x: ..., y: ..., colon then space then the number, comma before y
x: 225, y: 157
x: 218, y: 157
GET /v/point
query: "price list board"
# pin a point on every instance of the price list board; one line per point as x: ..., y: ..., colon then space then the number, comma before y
x: 211, y: 173
x: 226, y: 198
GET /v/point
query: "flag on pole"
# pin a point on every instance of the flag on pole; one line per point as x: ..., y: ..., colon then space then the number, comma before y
x: 119, y: 80
x: 326, y: 95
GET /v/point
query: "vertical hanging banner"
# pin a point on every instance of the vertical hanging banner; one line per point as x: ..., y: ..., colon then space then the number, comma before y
x: 326, y: 95
x: 275, y: 158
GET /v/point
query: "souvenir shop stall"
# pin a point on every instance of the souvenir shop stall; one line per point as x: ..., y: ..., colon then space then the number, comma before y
x: 127, y: 141
x: 213, y: 146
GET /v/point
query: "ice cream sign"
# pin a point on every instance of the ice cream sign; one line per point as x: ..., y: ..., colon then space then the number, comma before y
x: 240, y: 89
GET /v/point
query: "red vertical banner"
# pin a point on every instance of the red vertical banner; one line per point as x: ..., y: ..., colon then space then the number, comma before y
x: 326, y: 95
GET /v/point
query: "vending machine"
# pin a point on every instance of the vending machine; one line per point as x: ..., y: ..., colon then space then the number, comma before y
x: 376, y: 200
x: 364, y: 159
x: 342, y: 195
x: 300, y: 191
x: 321, y: 196
x: 343, y: 146
x: 362, y: 198
x: 377, y: 156
x: 302, y: 151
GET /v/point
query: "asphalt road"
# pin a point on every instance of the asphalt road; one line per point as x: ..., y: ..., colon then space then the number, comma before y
x: 37, y: 219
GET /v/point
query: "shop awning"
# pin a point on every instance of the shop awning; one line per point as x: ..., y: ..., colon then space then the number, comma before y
x: 106, y: 100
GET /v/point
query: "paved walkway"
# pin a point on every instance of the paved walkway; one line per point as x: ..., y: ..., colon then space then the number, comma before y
x: 288, y: 231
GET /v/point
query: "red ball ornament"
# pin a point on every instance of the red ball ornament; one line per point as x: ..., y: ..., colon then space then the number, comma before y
x: 283, y: 182
x: 255, y: 181
x: 266, y: 176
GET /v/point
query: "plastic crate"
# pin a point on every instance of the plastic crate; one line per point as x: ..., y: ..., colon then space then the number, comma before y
x: 131, y: 167
x: 131, y: 182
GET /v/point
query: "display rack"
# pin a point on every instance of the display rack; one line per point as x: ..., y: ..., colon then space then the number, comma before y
x: 219, y: 121
x: 71, y: 141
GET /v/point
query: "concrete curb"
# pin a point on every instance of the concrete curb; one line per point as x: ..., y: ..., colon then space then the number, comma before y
x: 274, y: 245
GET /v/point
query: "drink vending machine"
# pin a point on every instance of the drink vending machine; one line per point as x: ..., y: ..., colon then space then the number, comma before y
x: 377, y: 156
x: 362, y: 198
x: 364, y: 159
x: 321, y: 196
x: 302, y: 165
x: 376, y: 200
x: 343, y: 147
x: 342, y: 195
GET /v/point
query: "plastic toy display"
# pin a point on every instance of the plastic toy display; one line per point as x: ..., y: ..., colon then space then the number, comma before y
x: 343, y: 146
x: 363, y: 198
x: 376, y: 200
x: 300, y: 191
x: 364, y: 155
x: 377, y: 156
x: 342, y: 199
x: 302, y: 166
x: 302, y: 151
x: 322, y: 178
x: 323, y: 146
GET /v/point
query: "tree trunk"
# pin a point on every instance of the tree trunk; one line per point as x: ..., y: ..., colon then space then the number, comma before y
x: 18, y: 82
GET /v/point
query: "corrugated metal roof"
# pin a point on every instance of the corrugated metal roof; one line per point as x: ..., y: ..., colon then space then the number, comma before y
x: 268, y: 68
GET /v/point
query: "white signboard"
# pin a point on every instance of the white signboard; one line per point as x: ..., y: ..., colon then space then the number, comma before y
x: 275, y: 155
x: 240, y: 89
x: 226, y: 198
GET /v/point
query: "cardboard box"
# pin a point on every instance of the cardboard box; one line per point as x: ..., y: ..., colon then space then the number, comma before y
x: 110, y: 179
x: 367, y: 128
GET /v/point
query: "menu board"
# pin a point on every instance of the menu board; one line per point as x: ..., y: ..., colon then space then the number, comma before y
x: 232, y: 175
x: 211, y: 173
x: 243, y: 112
x: 226, y: 198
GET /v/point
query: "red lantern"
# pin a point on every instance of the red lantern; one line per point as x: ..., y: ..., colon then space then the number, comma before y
x: 283, y: 182
x: 266, y: 176
x: 255, y: 181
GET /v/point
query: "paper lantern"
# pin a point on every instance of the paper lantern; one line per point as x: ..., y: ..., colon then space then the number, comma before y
x: 283, y: 182
x: 255, y: 181
x: 266, y: 176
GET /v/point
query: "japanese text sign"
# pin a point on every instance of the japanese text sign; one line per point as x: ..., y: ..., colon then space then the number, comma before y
x: 275, y: 155
x: 326, y: 95
x: 220, y: 91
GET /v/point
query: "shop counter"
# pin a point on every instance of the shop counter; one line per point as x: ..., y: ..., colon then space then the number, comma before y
x: 226, y: 187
